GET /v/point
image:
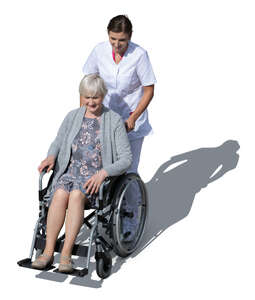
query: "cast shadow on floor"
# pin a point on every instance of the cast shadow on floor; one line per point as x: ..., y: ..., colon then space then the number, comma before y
x: 172, y: 189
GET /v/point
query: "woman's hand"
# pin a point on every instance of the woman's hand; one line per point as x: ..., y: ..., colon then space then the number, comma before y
x: 49, y: 161
x: 130, y: 123
x: 92, y: 185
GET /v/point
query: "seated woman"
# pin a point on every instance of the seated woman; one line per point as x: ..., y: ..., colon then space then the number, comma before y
x: 91, y: 144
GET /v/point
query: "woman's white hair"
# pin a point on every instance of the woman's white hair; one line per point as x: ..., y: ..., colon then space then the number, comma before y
x: 92, y: 85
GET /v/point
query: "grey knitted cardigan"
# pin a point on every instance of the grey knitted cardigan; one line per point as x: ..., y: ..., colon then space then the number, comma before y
x: 115, y: 148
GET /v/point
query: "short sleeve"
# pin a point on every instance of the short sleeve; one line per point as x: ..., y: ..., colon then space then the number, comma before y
x: 90, y: 65
x: 145, y: 71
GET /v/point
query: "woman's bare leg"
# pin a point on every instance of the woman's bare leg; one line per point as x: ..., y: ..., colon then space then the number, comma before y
x: 74, y: 220
x: 55, y: 220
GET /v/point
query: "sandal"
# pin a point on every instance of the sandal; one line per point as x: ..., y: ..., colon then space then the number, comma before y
x: 43, y: 264
x: 66, y: 267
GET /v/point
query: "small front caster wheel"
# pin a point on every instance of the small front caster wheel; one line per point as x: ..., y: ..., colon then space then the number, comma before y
x: 104, y: 264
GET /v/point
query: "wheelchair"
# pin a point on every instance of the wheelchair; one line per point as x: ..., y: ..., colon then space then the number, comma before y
x: 109, y: 210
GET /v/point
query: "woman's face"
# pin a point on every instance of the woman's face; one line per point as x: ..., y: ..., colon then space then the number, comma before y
x: 119, y: 41
x: 93, y: 103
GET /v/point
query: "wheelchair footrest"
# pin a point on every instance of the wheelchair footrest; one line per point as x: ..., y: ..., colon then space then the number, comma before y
x: 76, y: 272
x: 26, y: 263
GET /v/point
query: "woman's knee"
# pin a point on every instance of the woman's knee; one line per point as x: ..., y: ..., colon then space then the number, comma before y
x: 60, y: 198
x: 76, y: 198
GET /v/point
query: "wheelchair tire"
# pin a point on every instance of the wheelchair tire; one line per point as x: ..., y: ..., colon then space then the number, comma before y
x: 104, y: 265
x: 121, y: 248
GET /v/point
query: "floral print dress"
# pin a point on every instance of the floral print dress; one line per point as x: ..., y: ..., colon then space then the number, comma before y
x: 85, y: 158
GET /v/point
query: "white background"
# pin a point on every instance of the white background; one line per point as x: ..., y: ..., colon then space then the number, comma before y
x: 202, y: 53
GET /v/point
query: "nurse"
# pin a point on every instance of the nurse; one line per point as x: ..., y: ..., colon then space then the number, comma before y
x: 127, y: 72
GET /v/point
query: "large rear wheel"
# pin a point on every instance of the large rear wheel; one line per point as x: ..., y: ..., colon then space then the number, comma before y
x: 129, y: 214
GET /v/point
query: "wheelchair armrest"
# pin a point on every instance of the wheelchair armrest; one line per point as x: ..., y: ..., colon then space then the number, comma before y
x: 109, y: 178
x: 44, y: 171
